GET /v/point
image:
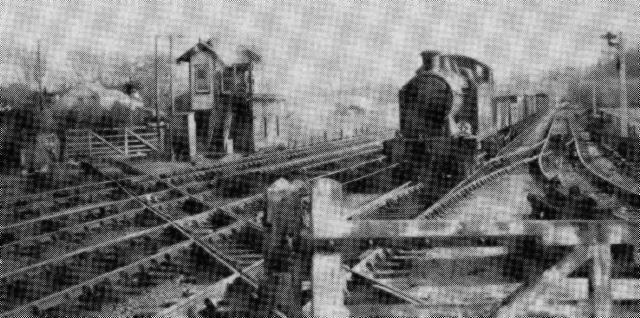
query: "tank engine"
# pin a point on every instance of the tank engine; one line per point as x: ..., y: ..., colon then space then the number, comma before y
x: 450, y: 121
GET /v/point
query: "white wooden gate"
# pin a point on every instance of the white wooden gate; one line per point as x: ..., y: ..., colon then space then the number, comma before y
x: 127, y: 142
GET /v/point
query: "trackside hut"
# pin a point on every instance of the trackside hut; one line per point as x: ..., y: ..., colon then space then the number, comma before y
x: 229, y: 115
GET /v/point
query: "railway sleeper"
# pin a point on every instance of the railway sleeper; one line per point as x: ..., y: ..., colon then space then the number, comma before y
x: 110, y: 216
x: 84, y: 266
x: 69, y: 218
x: 185, y: 262
x: 43, y: 247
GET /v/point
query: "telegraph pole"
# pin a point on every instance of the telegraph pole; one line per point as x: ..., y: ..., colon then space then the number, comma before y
x: 155, y: 68
x: 594, y: 91
x: 624, y: 122
x: 624, y: 106
x: 171, y: 110
x: 39, y: 76
x: 593, y: 99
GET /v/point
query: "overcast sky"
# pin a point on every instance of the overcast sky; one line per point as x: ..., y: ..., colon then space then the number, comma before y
x: 330, y: 43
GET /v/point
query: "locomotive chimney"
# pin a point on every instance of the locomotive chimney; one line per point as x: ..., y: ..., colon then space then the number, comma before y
x: 430, y: 60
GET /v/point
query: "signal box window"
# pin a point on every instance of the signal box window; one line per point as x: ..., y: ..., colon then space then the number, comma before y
x: 264, y: 120
x: 201, y: 78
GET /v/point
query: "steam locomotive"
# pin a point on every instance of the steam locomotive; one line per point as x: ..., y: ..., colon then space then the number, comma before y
x: 451, y: 120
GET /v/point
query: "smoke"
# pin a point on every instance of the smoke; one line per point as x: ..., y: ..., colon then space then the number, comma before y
x: 234, y: 52
x: 249, y: 55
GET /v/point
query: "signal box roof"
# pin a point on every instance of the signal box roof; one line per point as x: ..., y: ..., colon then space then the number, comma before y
x: 200, y: 46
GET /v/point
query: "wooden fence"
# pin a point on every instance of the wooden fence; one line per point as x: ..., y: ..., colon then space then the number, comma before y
x: 126, y: 142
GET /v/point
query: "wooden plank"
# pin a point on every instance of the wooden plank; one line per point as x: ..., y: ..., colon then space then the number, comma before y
x: 142, y: 140
x: 106, y: 142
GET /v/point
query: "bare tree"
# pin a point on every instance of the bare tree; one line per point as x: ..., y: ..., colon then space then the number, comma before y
x: 33, y: 65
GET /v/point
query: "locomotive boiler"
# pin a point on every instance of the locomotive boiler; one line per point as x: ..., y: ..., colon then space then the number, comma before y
x: 450, y: 121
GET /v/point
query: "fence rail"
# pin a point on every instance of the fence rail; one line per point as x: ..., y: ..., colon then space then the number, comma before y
x: 128, y: 142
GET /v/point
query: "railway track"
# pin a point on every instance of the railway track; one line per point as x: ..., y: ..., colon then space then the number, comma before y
x: 391, y: 269
x: 553, y: 152
x: 407, y: 202
x: 196, y: 229
x: 385, y: 269
x: 531, y: 135
x: 602, y: 178
x: 452, y: 204
x: 85, y: 196
x: 549, y: 158
x: 96, y: 200
x: 125, y: 215
x: 601, y: 167
x: 563, y: 174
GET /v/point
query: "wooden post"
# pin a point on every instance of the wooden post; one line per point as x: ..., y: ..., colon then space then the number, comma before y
x: 161, y: 140
x: 191, y: 134
x: 326, y: 206
x: 126, y: 142
x: 329, y: 280
x: 327, y: 277
x: 90, y: 142
x: 624, y: 105
x: 601, y: 272
x: 281, y: 288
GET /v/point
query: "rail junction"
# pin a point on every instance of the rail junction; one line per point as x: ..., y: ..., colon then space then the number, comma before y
x: 548, y: 227
x: 145, y: 241
x: 156, y: 243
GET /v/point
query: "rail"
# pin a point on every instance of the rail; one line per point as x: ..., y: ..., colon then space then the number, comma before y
x: 630, y: 187
x: 518, y: 140
x: 545, y: 147
x: 492, y: 170
x: 499, y: 162
x: 379, y: 159
x: 59, y: 297
x: 287, y: 154
x: 196, y: 299
x: 219, y: 256
x: 521, y: 151
x: 216, y: 254
x: 249, y: 161
x: 449, y: 199
x: 373, y: 173
x: 381, y: 200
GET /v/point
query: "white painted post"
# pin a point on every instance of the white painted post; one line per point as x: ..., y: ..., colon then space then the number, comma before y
x: 191, y: 126
x: 328, y: 278
x: 601, y: 272
x: 90, y: 142
x: 328, y: 282
x: 326, y: 206
x: 126, y: 142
